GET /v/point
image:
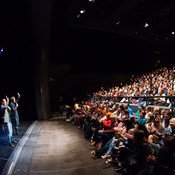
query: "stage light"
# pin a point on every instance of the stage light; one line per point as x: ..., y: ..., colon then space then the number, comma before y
x: 0, y: 53
x: 91, y: 0
x: 82, y: 11
x: 2, y: 50
x: 146, y: 25
x: 172, y: 33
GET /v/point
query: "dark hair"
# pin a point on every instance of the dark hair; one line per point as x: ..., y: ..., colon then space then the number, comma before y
x: 140, y: 136
x: 169, y: 144
x: 128, y: 124
x: 142, y: 127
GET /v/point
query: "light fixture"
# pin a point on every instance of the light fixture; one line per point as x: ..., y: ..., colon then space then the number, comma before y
x: 82, y: 11
x: 146, y: 25
x: 172, y: 33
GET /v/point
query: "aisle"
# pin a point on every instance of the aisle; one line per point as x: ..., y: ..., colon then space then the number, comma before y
x: 58, y: 147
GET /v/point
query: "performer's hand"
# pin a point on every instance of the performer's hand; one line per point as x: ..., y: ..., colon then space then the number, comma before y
x: 18, y: 94
x: 6, y: 98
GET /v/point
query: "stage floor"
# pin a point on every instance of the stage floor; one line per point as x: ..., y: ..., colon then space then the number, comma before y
x: 55, y: 147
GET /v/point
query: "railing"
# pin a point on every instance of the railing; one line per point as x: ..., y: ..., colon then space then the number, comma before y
x: 146, y: 100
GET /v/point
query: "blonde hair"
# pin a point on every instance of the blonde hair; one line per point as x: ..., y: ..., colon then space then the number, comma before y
x: 156, y: 110
x: 113, y: 118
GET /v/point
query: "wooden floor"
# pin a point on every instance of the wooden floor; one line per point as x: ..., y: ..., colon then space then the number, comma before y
x: 57, y: 147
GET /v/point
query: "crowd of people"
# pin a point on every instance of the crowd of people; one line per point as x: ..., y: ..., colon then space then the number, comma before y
x: 136, y: 143
x: 10, y: 118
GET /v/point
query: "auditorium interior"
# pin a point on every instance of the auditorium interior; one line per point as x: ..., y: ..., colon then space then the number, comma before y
x: 52, y: 50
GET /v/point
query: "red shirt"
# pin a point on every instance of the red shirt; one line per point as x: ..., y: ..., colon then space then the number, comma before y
x: 107, y: 123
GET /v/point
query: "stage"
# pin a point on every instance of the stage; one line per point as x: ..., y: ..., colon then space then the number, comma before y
x: 55, y: 147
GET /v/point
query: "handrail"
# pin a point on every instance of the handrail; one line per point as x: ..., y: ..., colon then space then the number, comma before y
x: 147, y: 99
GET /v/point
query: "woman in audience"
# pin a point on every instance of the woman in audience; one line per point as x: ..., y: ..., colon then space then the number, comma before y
x: 140, y: 109
x: 148, y: 111
x: 157, y: 130
x: 166, y: 158
x: 156, y: 111
x: 170, y: 130
x: 149, y: 122
x: 107, y: 131
x: 136, y: 160
x: 141, y: 118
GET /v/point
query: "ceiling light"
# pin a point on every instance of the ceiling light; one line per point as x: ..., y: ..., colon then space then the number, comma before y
x: 146, y: 25
x: 82, y: 11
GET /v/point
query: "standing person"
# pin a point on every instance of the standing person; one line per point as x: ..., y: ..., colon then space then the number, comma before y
x: 14, y: 112
x: 7, y: 120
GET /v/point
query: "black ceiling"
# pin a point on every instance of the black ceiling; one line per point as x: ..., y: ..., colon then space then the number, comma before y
x: 126, y: 17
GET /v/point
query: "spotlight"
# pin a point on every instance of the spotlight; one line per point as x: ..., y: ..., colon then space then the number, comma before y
x: 172, y: 33
x: 146, y: 25
x: 82, y: 11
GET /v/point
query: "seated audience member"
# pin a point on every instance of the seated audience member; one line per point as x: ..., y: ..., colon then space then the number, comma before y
x: 107, y: 149
x: 125, y: 115
x: 69, y: 112
x: 170, y: 130
x: 156, y: 111
x: 157, y: 130
x: 161, y: 100
x: 148, y: 111
x: 136, y: 160
x: 167, y: 117
x: 121, y: 111
x: 141, y: 118
x: 107, y: 131
x: 166, y: 158
x: 140, y: 109
x: 127, y: 107
x: 149, y: 122
x: 117, y: 140
x: 93, y: 123
x: 162, y: 114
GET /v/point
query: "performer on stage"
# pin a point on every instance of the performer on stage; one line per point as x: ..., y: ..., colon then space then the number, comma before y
x: 7, y: 120
x: 14, y: 111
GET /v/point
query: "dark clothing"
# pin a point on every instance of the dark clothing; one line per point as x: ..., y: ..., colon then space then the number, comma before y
x: 15, y: 116
x: 165, y: 163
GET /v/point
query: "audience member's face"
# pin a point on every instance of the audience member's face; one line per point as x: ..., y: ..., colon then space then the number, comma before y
x: 135, y: 127
x: 172, y: 124
x: 157, y: 119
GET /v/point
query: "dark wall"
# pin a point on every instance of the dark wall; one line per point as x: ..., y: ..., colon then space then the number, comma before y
x: 36, y: 33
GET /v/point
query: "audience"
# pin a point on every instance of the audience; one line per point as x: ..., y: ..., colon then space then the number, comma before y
x: 131, y: 140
